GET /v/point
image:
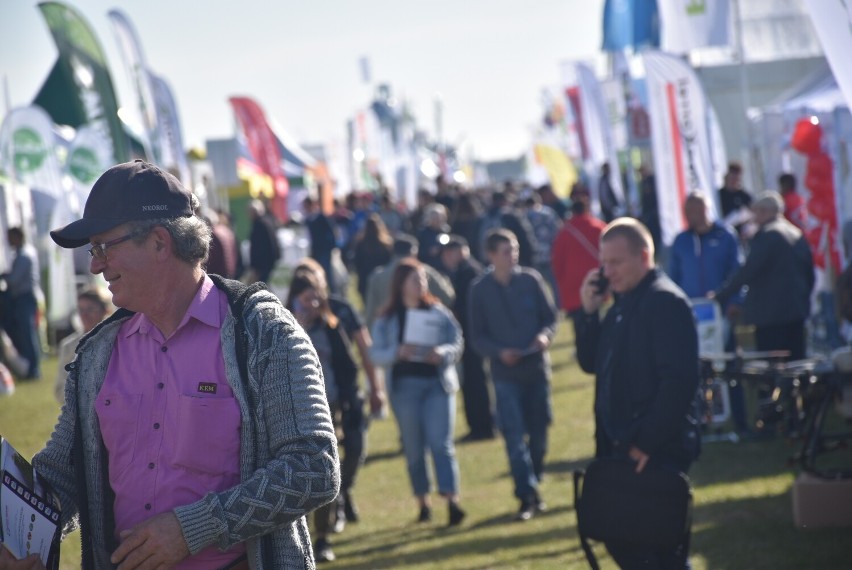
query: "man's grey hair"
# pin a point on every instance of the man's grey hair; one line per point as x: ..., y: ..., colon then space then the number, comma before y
x: 190, y: 236
x: 769, y: 200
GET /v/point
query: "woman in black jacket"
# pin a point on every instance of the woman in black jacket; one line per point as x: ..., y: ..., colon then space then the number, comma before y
x: 308, y: 301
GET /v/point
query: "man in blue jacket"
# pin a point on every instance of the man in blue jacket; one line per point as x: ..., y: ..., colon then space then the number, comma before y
x: 702, y: 258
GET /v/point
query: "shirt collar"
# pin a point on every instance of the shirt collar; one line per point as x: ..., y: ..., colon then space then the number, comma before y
x: 204, y: 308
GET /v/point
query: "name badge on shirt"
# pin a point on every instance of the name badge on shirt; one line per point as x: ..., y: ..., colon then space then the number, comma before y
x: 207, y: 387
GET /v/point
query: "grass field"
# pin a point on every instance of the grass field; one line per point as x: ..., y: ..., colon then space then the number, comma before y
x: 743, y: 511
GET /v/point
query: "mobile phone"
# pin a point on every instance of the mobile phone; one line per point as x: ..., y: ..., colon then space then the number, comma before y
x: 602, y: 283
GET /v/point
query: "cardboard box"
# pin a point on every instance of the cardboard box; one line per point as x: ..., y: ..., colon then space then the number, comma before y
x: 819, y: 503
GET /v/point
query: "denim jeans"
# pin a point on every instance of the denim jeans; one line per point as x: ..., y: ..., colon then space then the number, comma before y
x: 23, y: 331
x: 523, y: 415
x: 426, y: 416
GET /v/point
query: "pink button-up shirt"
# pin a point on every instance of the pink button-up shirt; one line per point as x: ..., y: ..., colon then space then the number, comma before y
x: 169, y: 419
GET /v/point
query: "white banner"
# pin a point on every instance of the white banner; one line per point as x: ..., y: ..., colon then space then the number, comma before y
x: 134, y: 62
x: 89, y: 155
x: 598, y: 133
x: 62, y: 289
x: 690, y: 24
x: 682, y: 139
x: 156, y: 102
x: 27, y: 150
x: 173, y: 155
x: 833, y: 23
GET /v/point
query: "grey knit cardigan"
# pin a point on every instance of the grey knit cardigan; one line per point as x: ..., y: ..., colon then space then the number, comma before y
x: 288, y: 454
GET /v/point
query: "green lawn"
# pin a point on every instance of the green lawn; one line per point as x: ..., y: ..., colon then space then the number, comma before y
x: 743, y: 513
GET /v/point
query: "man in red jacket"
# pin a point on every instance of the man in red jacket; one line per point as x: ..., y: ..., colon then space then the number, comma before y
x: 575, y: 249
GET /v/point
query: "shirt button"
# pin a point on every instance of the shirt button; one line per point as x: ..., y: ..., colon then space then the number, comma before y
x: 160, y: 385
x: 106, y: 402
x: 150, y: 466
x: 164, y: 348
x: 157, y: 426
x: 147, y: 506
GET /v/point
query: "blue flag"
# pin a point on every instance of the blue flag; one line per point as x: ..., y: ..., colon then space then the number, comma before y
x: 630, y: 23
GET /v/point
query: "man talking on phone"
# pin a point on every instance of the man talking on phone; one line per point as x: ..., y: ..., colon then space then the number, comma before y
x: 644, y: 354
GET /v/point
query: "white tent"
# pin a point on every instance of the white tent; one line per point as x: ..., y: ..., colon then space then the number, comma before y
x: 816, y: 95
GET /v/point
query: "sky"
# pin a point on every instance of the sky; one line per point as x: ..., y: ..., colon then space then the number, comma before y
x: 487, y: 60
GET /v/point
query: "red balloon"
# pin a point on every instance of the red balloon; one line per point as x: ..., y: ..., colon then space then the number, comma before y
x: 806, y: 137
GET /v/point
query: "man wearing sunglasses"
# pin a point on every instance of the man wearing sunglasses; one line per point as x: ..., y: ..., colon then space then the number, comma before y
x: 195, y: 431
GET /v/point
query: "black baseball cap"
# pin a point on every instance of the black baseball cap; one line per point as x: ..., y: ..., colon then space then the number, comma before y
x: 125, y: 193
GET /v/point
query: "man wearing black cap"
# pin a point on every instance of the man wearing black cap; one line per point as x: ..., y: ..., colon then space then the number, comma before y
x: 195, y: 430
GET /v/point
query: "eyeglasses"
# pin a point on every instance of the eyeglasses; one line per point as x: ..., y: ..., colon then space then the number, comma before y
x: 98, y: 251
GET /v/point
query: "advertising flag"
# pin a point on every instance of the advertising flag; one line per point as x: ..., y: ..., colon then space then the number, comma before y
x: 833, y: 23
x: 263, y: 148
x: 89, y: 156
x: 79, y: 90
x: 27, y: 150
x: 597, y: 132
x: 686, y: 157
x: 169, y: 132
x: 630, y: 23
x: 156, y: 103
x: 691, y: 24
x: 134, y: 60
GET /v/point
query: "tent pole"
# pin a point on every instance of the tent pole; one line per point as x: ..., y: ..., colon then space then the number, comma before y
x: 745, y: 98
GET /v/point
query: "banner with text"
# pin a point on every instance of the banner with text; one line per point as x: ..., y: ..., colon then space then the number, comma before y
x: 685, y: 157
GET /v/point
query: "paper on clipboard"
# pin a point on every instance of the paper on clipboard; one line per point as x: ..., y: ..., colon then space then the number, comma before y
x: 422, y: 327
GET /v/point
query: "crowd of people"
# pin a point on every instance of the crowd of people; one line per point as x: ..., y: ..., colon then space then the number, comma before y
x: 202, y: 415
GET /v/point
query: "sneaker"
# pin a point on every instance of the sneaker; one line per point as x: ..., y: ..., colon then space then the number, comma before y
x: 526, y: 511
x: 339, y: 520
x: 425, y: 514
x: 7, y: 383
x: 323, y: 551
x: 456, y: 515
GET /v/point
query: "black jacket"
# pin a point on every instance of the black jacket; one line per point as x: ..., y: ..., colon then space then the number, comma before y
x: 645, y: 356
x: 466, y: 273
x: 779, y: 274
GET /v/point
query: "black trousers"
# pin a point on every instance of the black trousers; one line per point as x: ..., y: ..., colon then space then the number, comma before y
x: 352, y: 421
x: 478, y: 402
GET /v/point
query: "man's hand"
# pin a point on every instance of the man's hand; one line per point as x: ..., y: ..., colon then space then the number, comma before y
x: 640, y: 457
x: 589, y: 296
x: 155, y: 543
x: 540, y: 342
x: 9, y: 562
x: 510, y: 356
